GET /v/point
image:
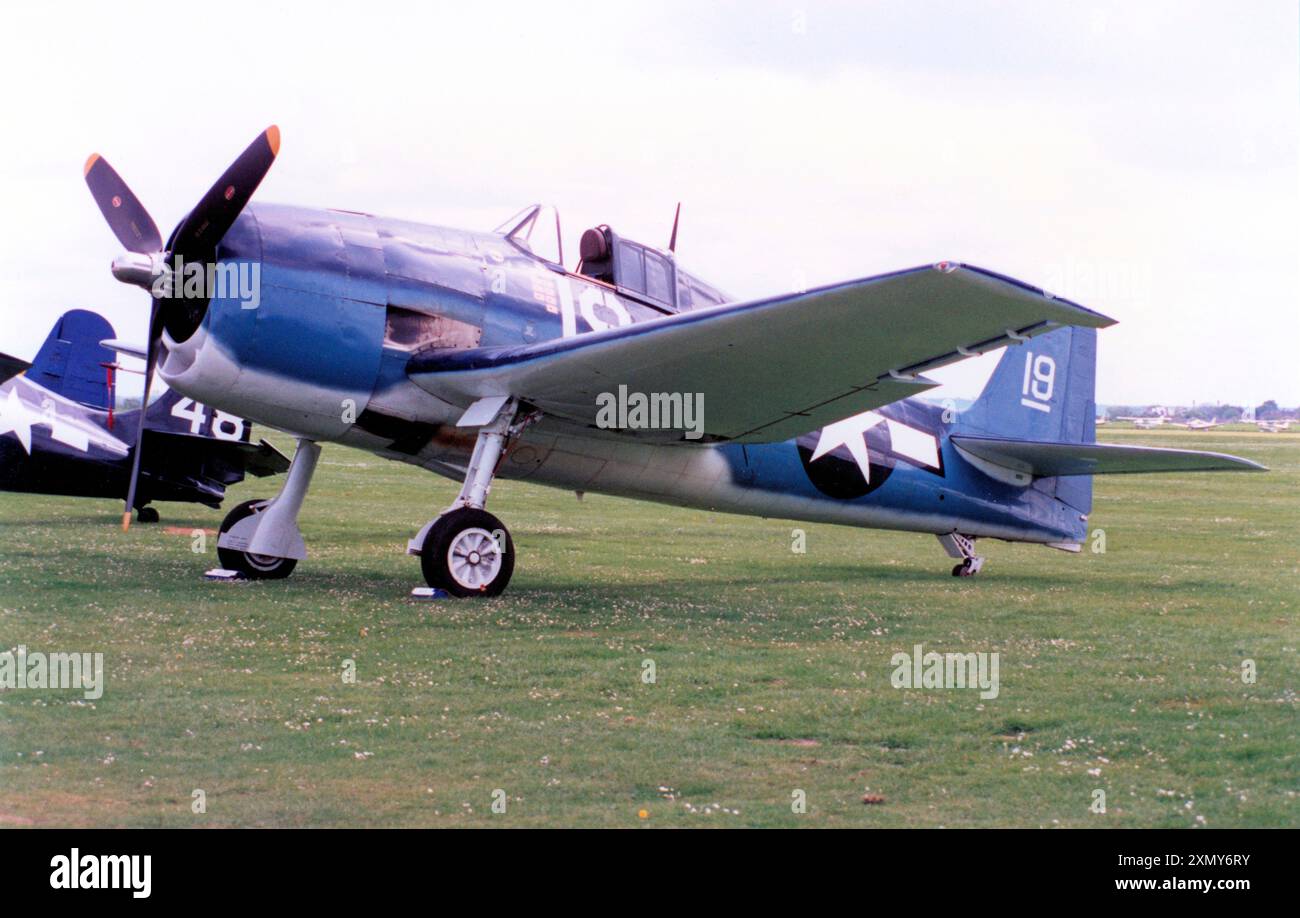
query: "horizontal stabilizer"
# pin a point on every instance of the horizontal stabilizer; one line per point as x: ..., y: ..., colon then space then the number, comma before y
x: 1046, y: 459
x: 11, y: 367
x: 125, y: 347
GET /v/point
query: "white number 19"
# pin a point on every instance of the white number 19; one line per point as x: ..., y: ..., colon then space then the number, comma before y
x: 1040, y: 378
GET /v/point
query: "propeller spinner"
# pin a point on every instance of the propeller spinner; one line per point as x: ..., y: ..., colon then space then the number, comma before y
x: 195, y: 239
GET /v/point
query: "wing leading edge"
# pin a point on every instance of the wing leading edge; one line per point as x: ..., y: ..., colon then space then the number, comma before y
x: 773, y: 368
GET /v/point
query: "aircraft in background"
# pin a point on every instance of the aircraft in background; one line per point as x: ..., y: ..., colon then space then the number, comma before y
x: 1273, y: 426
x: 1158, y: 418
x: 476, y: 354
x: 1198, y: 424
x: 60, y: 434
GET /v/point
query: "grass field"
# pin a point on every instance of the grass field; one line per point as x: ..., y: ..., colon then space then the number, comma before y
x: 1119, y: 671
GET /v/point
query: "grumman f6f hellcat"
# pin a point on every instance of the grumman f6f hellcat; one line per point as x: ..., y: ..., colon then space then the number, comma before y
x: 478, y: 354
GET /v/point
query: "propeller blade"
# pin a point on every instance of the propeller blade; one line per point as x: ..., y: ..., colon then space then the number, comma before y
x: 126, y: 216
x: 155, y: 340
x: 217, y: 211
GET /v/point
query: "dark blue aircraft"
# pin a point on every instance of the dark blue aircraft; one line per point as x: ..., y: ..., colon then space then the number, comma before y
x: 59, y: 433
x: 479, y: 354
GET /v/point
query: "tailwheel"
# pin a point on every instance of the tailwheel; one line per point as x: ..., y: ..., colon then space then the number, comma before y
x: 146, y: 515
x: 969, y: 567
x: 468, y: 552
x: 252, y: 566
x: 963, y: 547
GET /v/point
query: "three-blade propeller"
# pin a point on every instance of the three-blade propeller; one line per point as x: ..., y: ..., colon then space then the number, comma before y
x: 194, y: 240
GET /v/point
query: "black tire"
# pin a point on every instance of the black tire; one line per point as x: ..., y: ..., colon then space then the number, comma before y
x: 146, y: 515
x: 254, y: 567
x: 465, y: 529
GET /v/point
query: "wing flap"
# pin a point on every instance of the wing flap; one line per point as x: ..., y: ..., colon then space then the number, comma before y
x: 1044, y: 459
x: 773, y: 368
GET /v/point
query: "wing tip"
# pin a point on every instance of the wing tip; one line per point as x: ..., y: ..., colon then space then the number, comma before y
x: 1090, y: 318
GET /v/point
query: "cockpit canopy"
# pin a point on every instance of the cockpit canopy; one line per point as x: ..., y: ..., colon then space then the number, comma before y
x: 536, y: 230
x: 636, y: 270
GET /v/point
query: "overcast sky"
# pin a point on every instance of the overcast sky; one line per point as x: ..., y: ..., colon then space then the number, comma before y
x: 1140, y: 158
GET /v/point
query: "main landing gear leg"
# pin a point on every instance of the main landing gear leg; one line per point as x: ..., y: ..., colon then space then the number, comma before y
x: 260, y: 538
x: 960, y: 546
x: 468, y: 551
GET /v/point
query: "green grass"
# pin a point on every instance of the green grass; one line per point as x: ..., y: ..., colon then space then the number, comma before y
x: 772, y: 668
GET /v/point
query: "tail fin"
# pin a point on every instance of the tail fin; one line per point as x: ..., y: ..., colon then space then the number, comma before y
x: 71, y: 361
x: 1044, y: 389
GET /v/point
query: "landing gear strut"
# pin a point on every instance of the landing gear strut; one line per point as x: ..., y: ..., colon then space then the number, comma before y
x: 260, y: 538
x: 468, y: 551
x: 251, y: 565
x: 963, y: 547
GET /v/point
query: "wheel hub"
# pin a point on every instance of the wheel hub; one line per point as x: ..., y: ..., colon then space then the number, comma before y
x: 474, y: 558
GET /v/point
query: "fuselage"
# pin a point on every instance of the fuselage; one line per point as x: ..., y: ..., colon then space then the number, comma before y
x: 347, y: 299
x: 56, y: 446
x: 50, y: 444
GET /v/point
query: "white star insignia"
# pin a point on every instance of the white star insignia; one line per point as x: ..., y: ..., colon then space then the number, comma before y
x: 849, y: 432
x: 16, y: 418
x: 917, y: 445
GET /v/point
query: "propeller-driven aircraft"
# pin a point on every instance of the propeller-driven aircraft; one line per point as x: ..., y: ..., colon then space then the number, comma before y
x: 59, y: 433
x: 477, y: 354
x: 1158, y: 418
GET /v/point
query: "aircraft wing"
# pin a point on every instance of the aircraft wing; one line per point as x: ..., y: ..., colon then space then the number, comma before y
x: 1047, y: 459
x: 261, y: 459
x: 205, y: 464
x: 772, y: 368
x: 11, y: 367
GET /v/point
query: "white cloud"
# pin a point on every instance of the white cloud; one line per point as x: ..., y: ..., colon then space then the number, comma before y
x: 1142, y: 161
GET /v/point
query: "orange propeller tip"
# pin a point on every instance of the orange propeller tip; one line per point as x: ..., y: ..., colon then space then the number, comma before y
x: 273, y: 139
x: 90, y: 163
x: 126, y: 521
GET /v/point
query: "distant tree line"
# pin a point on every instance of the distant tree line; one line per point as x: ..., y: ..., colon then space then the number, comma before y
x: 1266, y: 411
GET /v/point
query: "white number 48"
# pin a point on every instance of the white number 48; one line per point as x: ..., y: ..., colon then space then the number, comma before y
x: 225, y: 426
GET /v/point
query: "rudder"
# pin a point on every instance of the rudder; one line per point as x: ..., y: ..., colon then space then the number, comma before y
x: 1044, y: 389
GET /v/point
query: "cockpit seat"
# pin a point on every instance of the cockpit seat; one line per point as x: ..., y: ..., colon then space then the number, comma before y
x: 594, y: 246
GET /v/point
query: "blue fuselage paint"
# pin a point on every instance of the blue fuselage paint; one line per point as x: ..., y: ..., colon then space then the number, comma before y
x: 323, y: 356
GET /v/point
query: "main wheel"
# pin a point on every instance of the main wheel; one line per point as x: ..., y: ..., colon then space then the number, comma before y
x: 468, y: 552
x: 254, y: 567
x: 146, y: 515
